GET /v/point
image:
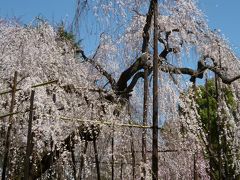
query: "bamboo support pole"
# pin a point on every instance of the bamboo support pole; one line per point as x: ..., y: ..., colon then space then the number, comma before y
x: 9, y: 114
x: 14, y: 113
x: 34, y: 86
x: 8, y: 91
x: 108, y: 123
x: 45, y: 83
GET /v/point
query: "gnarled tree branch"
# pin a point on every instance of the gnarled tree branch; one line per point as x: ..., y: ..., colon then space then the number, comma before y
x: 129, y: 72
x: 139, y: 63
x: 99, y: 68
x: 225, y: 79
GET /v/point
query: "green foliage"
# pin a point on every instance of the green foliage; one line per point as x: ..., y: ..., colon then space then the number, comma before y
x: 68, y: 36
x: 213, y: 127
x: 207, y: 108
x: 207, y: 105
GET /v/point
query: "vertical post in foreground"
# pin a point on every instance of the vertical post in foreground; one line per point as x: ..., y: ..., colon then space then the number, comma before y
x: 82, y: 159
x: 219, y: 119
x: 209, y: 126
x: 145, y: 113
x: 155, y: 96
x: 112, y: 153
x: 96, y: 158
x: 133, y: 155
x: 195, y: 173
x: 7, y: 146
x: 29, y: 139
x: 71, y: 145
x: 121, y: 171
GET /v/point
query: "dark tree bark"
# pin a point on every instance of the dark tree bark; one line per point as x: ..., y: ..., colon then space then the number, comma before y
x: 96, y: 159
x: 112, y: 144
x: 73, y: 159
x: 133, y: 155
x: 155, y: 97
x: 145, y: 115
x: 51, y: 157
x: 7, y: 146
x: 27, y: 165
x: 82, y: 159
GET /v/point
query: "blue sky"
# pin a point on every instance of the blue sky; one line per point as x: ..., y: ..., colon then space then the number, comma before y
x: 221, y: 14
x: 224, y: 15
x: 26, y: 10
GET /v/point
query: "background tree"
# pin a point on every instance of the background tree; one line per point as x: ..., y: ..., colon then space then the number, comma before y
x: 218, y: 139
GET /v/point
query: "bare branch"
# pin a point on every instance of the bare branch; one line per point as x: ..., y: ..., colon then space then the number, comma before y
x: 225, y: 79
x: 99, y: 68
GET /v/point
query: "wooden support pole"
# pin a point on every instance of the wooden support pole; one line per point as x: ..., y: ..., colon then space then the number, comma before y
x: 8, y: 91
x: 155, y: 95
x: 121, y: 171
x: 145, y: 115
x: 82, y: 159
x: 209, y: 126
x: 195, y: 174
x: 29, y: 140
x: 14, y: 113
x: 45, y: 83
x: 133, y: 156
x: 33, y: 86
x: 9, y: 114
x: 218, y: 98
x: 96, y: 159
x: 72, y: 144
x: 7, y: 146
x: 112, y: 154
